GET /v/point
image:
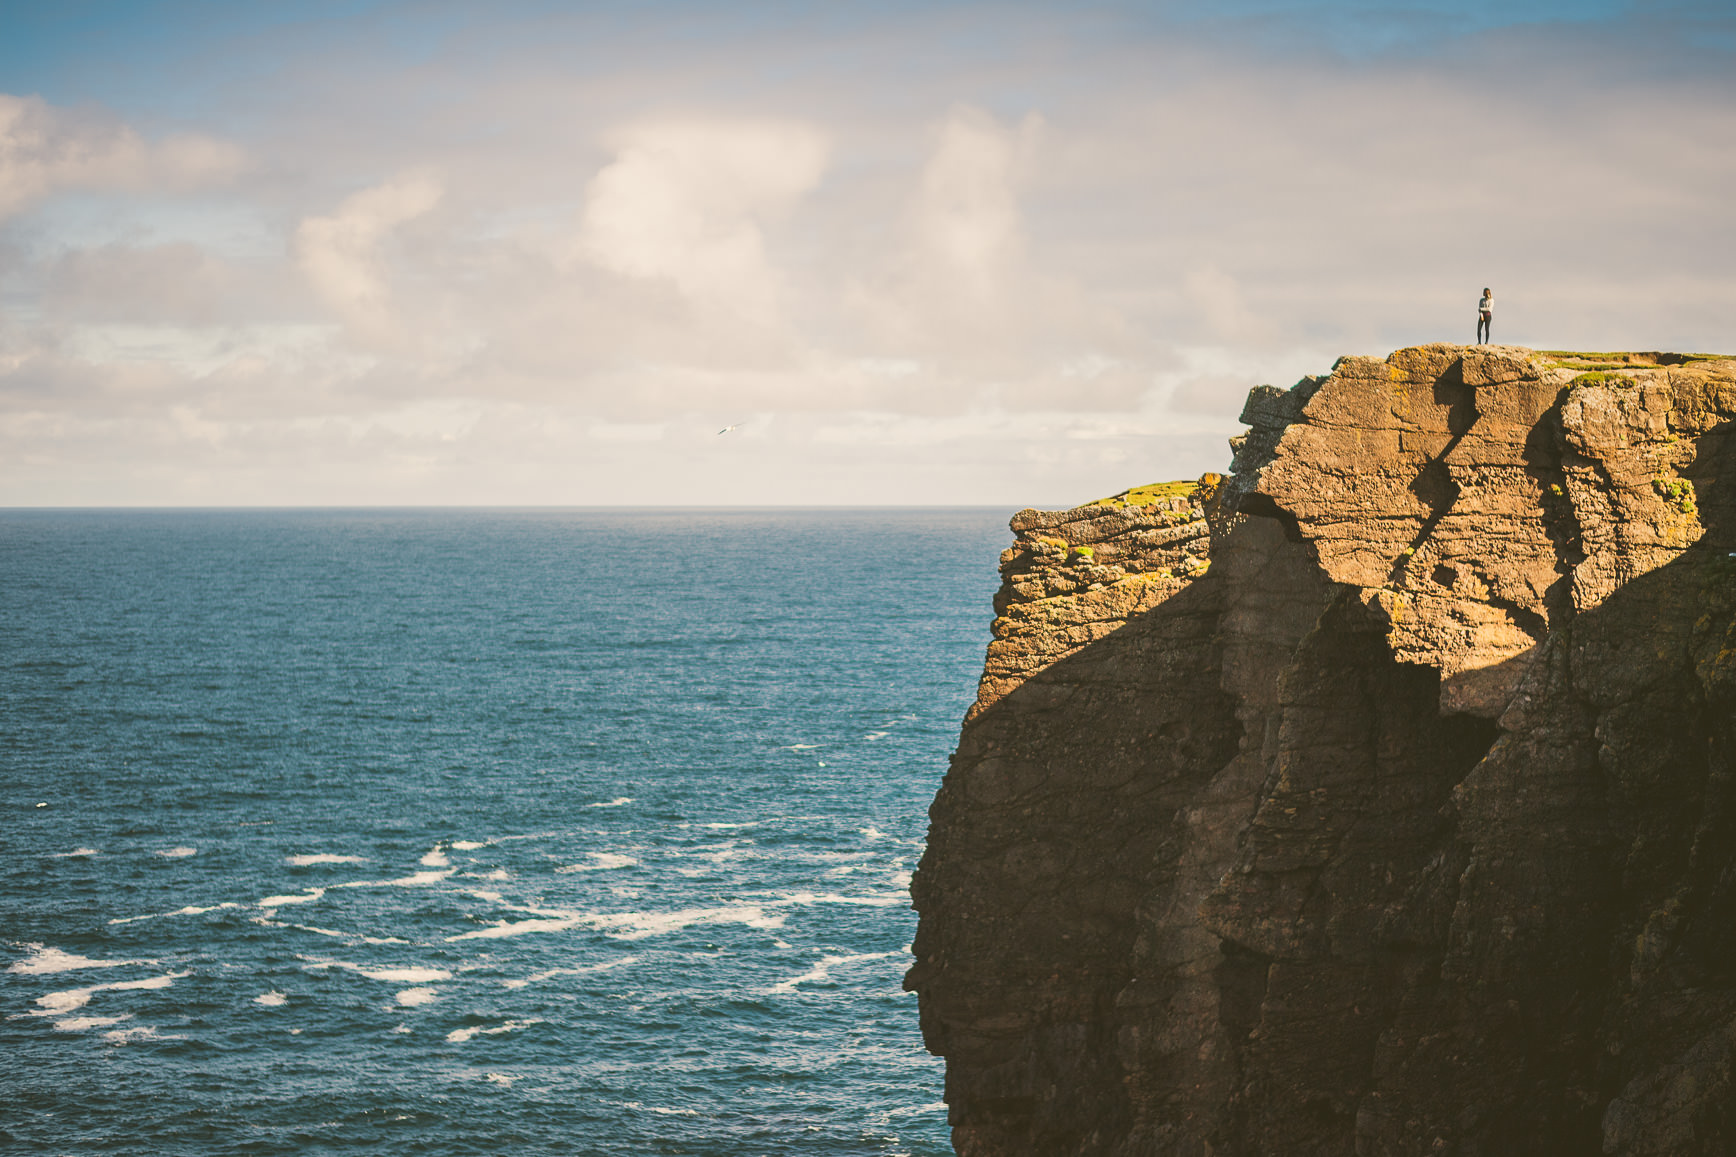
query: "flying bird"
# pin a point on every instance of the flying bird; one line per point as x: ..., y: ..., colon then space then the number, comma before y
x: 727, y: 429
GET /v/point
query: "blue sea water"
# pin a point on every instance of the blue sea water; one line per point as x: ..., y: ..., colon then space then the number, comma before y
x: 450, y: 832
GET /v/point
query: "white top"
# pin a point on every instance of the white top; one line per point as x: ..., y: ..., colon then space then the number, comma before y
x: 1486, y: 303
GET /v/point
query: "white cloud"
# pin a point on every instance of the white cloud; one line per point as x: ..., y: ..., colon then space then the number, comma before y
x: 967, y: 213
x: 686, y: 200
x: 344, y: 255
x: 1036, y: 265
x: 45, y: 150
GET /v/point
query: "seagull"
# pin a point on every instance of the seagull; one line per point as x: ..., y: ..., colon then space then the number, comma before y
x: 727, y: 429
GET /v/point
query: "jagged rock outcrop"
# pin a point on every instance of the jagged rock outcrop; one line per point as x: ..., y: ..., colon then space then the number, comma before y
x: 1377, y: 799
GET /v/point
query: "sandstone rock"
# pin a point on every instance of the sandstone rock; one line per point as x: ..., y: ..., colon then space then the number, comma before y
x: 1379, y: 798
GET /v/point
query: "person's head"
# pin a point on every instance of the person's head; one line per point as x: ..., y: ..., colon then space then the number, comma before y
x: 1487, y: 292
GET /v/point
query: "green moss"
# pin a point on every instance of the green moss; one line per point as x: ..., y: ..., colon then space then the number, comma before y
x: 1085, y: 553
x: 1623, y: 359
x: 1619, y: 357
x: 1148, y: 494
x: 1678, y: 492
x: 1601, y: 377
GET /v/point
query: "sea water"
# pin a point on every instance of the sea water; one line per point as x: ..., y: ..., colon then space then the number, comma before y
x: 451, y: 832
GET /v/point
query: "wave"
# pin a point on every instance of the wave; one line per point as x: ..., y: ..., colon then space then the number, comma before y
x: 402, y: 975
x: 628, y: 925
x: 807, y: 898
x: 603, y: 861
x: 125, y: 1036
x: 460, y: 1035
x: 820, y: 973
x: 190, y: 910
x: 56, y: 1003
x: 307, y: 897
x: 324, y: 858
x: 550, y: 974
x: 637, y: 1107
x: 83, y: 1023
x: 177, y: 853
x: 414, y: 880
x: 44, y: 960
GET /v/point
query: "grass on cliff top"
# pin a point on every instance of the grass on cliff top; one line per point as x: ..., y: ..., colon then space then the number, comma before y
x: 1623, y: 359
x: 1148, y: 494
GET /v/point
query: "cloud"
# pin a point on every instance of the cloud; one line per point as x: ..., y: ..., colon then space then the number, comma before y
x: 966, y: 212
x: 1041, y: 263
x: 45, y: 150
x: 344, y: 255
x: 685, y: 201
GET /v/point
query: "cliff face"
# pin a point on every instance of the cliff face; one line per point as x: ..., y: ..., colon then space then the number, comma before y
x: 1378, y: 798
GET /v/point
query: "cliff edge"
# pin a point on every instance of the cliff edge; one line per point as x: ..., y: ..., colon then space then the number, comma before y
x: 1377, y: 798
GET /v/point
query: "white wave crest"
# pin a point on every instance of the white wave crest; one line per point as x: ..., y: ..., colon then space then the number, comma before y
x: 460, y: 1035
x: 177, y: 853
x: 64, y: 1001
x: 600, y: 862
x: 306, y: 897
x: 539, y: 977
x: 324, y: 858
x: 81, y: 1023
x: 187, y: 911
x: 820, y: 973
x: 401, y: 975
x: 122, y: 1036
x: 629, y: 925
x: 635, y: 1105
x: 45, y: 960
x: 807, y: 898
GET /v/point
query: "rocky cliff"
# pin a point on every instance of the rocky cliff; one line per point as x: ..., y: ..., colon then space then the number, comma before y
x: 1376, y: 798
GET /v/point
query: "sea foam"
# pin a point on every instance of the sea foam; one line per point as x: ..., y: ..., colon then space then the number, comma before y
x: 600, y: 862
x: 821, y: 972
x: 460, y: 1035
x: 44, y: 960
x: 56, y: 1003
x: 629, y: 925
x: 306, y: 897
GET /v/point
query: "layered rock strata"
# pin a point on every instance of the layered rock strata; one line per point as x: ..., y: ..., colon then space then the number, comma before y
x: 1378, y: 798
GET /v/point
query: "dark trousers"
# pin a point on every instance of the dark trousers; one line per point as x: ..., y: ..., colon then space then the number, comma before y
x: 1482, y: 328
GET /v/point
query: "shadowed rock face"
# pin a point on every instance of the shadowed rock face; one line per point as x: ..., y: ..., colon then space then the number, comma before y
x: 1379, y: 798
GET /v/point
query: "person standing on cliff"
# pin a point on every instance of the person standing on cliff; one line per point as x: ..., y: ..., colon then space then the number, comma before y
x: 1485, y: 312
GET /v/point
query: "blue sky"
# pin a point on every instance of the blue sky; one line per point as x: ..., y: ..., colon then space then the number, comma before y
x: 921, y: 253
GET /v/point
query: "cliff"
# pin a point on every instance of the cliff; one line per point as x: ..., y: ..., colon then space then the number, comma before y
x: 1378, y: 798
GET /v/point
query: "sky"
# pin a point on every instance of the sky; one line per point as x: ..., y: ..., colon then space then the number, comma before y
x: 367, y: 252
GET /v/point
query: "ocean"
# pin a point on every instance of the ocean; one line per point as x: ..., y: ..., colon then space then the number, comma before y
x: 474, y: 831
